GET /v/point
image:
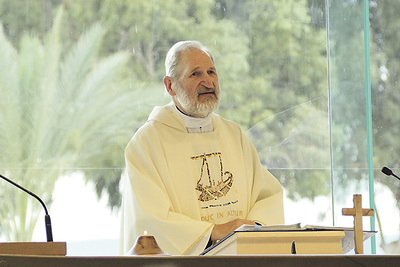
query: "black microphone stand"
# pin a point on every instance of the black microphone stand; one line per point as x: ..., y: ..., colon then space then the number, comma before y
x: 47, y: 220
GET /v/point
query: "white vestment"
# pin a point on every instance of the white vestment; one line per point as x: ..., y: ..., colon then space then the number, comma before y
x: 179, y: 184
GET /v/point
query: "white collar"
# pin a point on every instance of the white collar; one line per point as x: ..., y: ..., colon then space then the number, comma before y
x: 197, y: 125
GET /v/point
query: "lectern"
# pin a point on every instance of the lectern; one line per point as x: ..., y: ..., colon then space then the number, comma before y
x: 250, y: 240
x: 278, y: 243
x: 34, y: 248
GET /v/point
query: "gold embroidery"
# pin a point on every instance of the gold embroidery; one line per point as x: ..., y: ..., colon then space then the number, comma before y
x: 214, y: 190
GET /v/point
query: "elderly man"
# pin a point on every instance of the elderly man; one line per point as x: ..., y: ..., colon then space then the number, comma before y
x: 192, y: 176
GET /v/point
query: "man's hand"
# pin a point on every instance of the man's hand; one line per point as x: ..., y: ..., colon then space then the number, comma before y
x: 221, y: 230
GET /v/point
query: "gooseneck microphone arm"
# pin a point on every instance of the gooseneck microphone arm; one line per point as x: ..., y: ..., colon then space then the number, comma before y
x: 47, y: 220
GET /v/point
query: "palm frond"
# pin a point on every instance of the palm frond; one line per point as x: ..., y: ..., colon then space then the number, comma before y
x: 9, y: 99
x: 78, y: 61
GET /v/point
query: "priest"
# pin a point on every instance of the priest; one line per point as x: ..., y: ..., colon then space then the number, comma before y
x: 192, y: 177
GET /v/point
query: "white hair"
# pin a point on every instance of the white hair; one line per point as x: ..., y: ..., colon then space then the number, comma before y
x: 173, y: 55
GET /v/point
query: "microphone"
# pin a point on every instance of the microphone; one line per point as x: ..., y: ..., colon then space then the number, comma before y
x: 47, y: 220
x: 389, y: 172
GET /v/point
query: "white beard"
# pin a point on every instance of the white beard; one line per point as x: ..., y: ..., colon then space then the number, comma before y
x: 193, y: 107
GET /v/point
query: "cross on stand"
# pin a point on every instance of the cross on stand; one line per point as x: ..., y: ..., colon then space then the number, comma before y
x: 357, y: 212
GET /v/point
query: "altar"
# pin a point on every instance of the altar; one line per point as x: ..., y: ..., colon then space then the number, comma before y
x: 201, y: 261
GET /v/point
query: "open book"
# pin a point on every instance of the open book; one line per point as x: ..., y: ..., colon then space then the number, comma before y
x: 347, y: 241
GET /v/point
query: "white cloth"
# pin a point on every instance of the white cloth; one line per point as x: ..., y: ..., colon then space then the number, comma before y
x: 180, y: 184
x: 197, y: 125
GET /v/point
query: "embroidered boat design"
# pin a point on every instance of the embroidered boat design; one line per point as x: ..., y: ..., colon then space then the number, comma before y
x: 212, y: 189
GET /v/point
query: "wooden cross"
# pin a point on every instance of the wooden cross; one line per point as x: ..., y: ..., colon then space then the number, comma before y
x: 357, y: 212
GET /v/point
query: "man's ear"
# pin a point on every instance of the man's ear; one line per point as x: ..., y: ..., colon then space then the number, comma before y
x: 168, y: 85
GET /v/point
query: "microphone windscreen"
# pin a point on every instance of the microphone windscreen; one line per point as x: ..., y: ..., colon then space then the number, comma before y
x: 387, y: 171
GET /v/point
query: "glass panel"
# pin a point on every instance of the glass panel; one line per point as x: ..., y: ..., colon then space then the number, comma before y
x: 76, y: 98
x: 283, y: 100
x: 385, y: 74
x: 348, y: 109
x: 77, y: 78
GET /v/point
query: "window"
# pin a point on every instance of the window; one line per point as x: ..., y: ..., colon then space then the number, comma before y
x: 77, y: 78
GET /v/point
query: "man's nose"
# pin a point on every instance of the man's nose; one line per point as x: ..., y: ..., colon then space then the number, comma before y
x: 209, y: 81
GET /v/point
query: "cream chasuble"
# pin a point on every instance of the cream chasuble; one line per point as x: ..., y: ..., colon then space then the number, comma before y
x: 179, y: 184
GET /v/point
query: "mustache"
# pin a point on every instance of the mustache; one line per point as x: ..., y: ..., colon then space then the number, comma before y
x: 206, y: 90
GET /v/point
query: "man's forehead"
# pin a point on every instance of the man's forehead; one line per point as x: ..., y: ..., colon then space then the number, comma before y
x: 195, y: 58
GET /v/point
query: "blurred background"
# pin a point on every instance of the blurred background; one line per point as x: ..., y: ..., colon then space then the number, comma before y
x: 312, y: 82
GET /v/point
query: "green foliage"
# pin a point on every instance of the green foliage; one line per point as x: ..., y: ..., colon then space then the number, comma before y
x: 76, y: 82
x: 24, y: 17
x: 61, y: 111
x: 72, y: 95
x: 385, y: 54
x: 279, y: 96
